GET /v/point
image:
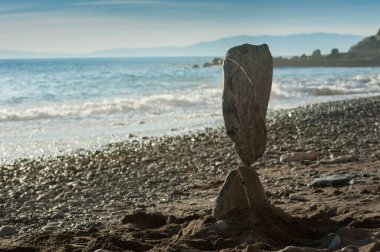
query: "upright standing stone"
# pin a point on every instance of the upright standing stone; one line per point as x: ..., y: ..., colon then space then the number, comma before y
x: 248, y: 71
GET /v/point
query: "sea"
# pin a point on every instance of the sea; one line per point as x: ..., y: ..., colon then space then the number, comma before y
x: 52, y: 107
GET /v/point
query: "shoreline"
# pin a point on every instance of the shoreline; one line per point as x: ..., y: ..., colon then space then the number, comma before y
x: 174, y: 132
x: 181, y: 176
x: 282, y: 62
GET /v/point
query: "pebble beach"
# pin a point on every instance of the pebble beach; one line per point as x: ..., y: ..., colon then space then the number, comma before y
x: 83, y: 201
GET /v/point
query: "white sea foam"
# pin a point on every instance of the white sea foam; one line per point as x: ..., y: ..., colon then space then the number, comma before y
x: 285, y: 88
x: 155, y: 104
x: 203, y: 100
x: 61, y: 105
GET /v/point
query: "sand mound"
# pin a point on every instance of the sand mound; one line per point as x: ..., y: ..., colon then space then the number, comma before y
x: 270, y: 229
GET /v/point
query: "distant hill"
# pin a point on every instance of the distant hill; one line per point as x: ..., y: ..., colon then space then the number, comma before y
x: 367, y: 48
x: 10, y: 54
x: 286, y: 45
x: 14, y: 54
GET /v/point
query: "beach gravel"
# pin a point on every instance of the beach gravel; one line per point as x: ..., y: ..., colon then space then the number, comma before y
x: 76, y: 202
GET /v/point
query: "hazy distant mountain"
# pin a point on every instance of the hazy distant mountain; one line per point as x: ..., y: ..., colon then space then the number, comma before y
x: 10, y: 54
x: 287, y: 45
x: 14, y: 54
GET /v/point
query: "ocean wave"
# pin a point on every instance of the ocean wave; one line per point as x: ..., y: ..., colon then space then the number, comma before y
x: 293, y: 87
x: 153, y: 105
x: 200, y: 100
x: 363, y: 78
x: 332, y: 91
x: 280, y: 93
x: 343, y: 87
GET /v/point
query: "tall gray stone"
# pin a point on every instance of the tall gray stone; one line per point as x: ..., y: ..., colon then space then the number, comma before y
x: 248, y: 71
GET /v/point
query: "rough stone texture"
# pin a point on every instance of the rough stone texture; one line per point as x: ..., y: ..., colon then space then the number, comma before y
x: 248, y: 71
x: 242, y: 189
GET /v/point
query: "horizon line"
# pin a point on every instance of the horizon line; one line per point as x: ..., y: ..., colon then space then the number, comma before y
x: 173, y: 46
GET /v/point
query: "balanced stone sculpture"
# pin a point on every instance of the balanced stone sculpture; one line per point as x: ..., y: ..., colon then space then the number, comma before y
x: 248, y: 71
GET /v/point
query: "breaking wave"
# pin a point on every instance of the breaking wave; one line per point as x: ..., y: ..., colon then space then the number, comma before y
x: 154, y: 105
x: 290, y: 87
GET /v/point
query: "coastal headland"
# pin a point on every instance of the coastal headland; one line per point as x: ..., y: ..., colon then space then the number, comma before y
x: 308, y: 61
x: 366, y: 53
x: 324, y: 62
x: 157, y: 193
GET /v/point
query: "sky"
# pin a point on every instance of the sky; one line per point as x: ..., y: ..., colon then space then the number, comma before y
x: 81, y: 26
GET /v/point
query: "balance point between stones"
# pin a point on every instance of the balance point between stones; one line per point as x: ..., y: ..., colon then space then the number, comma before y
x: 248, y: 72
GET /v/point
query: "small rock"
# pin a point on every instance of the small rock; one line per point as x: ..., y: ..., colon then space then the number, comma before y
x: 297, y: 197
x: 295, y: 249
x: 331, y: 180
x: 334, y: 244
x: 312, y: 207
x: 153, y: 166
x: 68, y: 195
x: 337, y: 192
x: 147, y: 159
x: 24, y: 229
x: 219, y: 226
x: 340, y: 159
x: 90, y: 175
x: 176, y: 192
x: 164, y: 234
x: 58, y: 215
x: 314, y: 165
x: 299, y: 156
x: 376, y: 235
x: 51, y: 226
x: 8, y: 231
x: 284, y: 148
x: 165, y: 200
x: 350, y: 249
x: 376, y: 154
x: 80, y: 226
x: 2, y: 212
x: 42, y: 197
x: 364, y: 191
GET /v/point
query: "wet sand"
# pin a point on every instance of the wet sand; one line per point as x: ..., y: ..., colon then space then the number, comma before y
x: 157, y: 194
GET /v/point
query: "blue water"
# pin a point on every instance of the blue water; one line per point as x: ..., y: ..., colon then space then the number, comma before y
x: 54, y: 106
x: 76, y: 87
